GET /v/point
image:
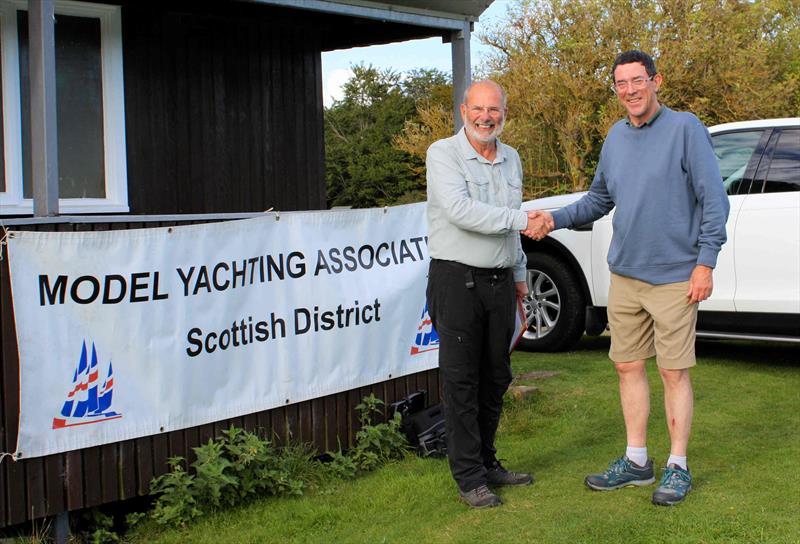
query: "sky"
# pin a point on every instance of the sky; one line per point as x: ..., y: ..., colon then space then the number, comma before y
x: 402, y: 56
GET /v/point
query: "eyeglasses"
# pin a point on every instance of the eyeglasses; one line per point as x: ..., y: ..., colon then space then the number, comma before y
x: 636, y: 83
x: 491, y: 110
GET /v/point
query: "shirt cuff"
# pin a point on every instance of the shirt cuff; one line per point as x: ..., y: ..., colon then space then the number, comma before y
x: 520, y: 220
x: 708, y: 257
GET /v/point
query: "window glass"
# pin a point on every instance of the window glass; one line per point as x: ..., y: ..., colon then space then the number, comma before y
x: 733, y: 151
x: 784, y: 168
x: 79, y: 99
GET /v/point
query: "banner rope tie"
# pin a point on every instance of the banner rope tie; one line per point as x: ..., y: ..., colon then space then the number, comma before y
x: 5, y: 454
x: 3, y: 242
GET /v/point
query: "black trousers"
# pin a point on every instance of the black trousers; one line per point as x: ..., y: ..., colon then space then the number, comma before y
x: 472, y: 310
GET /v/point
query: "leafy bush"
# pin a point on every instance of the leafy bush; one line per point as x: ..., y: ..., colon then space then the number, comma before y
x: 176, y: 503
x: 241, y: 465
x: 376, y: 444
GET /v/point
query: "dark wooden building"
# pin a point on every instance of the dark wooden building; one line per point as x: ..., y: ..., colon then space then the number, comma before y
x: 140, y: 113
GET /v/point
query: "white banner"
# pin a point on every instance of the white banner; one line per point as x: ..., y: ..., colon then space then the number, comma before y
x: 131, y: 333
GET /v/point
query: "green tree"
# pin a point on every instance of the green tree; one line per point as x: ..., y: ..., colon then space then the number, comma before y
x: 724, y: 60
x: 363, y: 167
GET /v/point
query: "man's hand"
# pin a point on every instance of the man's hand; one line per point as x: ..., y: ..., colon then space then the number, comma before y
x: 522, y: 288
x: 701, y: 283
x: 540, y: 224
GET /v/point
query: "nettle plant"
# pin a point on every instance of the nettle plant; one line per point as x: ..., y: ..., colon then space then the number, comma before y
x: 241, y: 465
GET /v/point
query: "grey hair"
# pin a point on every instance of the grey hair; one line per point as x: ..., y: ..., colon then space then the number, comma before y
x: 496, y: 84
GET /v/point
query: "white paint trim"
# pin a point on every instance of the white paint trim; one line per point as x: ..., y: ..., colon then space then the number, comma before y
x: 116, y: 169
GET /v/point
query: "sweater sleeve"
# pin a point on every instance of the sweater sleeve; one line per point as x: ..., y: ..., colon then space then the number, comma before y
x: 703, y: 171
x: 591, y: 206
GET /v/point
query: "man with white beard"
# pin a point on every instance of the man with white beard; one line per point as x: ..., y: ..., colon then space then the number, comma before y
x: 477, y: 271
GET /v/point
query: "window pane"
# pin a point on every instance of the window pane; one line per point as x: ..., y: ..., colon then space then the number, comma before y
x: 784, y: 169
x: 79, y: 102
x: 733, y: 152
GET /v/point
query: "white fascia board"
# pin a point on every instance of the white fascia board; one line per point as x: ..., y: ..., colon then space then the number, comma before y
x: 377, y: 11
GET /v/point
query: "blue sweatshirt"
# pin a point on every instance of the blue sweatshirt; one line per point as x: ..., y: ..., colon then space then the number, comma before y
x: 671, y: 206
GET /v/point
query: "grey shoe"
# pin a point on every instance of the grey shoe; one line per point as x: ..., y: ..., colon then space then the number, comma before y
x: 621, y: 473
x: 675, y: 485
x: 480, y: 497
x: 497, y: 475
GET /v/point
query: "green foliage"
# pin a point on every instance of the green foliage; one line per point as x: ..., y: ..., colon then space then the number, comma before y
x: 214, y: 482
x: 241, y: 465
x: 341, y: 465
x: 377, y: 444
x: 132, y: 519
x: 723, y: 60
x: 176, y: 503
x: 363, y: 167
x: 229, y: 470
x: 101, y: 527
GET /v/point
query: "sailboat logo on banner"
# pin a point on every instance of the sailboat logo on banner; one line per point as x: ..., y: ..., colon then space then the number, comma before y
x: 427, y: 338
x: 89, y: 400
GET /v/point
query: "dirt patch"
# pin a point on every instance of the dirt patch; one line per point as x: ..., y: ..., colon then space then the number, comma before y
x: 538, y: 375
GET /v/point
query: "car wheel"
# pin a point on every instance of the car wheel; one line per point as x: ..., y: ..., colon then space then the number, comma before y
x: 554, y: 307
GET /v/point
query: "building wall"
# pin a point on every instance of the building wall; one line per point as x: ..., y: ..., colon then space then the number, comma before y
x: 223, y: 110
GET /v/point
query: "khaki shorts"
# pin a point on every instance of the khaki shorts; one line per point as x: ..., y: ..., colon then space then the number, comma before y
x: 648, y: 320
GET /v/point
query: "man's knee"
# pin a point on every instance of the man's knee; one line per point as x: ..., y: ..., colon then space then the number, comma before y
x: 674, y: 377
x: 630, y: 368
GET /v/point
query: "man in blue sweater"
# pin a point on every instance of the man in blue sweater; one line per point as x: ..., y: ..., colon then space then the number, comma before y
x: 658, y: 171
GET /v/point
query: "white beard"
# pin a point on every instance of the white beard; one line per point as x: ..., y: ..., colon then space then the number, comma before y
x: 491, y: 137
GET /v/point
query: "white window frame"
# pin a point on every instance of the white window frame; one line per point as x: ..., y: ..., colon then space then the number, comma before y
x: 116, y: 170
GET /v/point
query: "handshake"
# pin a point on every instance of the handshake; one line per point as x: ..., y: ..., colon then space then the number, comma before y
x: 539, y: 224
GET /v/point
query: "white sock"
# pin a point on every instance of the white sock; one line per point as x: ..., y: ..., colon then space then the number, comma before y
x: 637, y: 455
x: 677, y: 460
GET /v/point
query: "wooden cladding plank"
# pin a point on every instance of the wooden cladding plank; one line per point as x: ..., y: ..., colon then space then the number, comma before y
x: 318, y: 424
x: 3, y: 497
x: 55, y: 484
x: 15, y: 496
x: 278, y: 418
x: 109, y: 475
x: 73, y: 478
x: 126, y: 469
x: 34, y: 479
x: 143, y: 454
x: 15, y: 493
x: 305, y: 423
x: 92, y: 476
x: 191, y: 439
x: 343, y: 429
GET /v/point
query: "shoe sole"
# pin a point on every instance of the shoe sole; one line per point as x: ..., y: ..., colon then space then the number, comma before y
x: 667, y: 502
x: 632, y: 483
x: 490, y: 505
x: 502, y: 484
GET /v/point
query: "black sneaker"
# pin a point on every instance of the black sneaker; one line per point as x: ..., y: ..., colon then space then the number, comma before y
x: 621, y: 473
x: 675, y: 485
x: 480, y: 497
x: 497, y: 475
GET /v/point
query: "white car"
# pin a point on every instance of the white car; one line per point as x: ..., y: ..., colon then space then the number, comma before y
x: 757, y: 279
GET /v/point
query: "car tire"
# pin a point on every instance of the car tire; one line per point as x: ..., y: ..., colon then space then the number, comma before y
x: 555, y: 306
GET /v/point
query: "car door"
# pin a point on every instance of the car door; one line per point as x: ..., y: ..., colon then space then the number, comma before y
x: 737, y: 153
x: 767, y: 231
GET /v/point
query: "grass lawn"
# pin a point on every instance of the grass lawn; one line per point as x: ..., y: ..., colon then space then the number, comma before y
x: 744, y: 456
